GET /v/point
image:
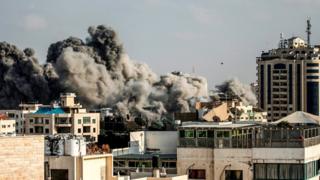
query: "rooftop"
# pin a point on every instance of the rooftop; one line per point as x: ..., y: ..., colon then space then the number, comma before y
x: 300, y: 117
x: 215, y: 125
x: 50, y: 110
x: 145, y: 156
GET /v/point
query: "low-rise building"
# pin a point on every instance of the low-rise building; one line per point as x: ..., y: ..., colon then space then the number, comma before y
x: 7, y: 126
x: 143, y: 146
x: 64, y: 117
x: 18, y: 115
x: 287, y: 149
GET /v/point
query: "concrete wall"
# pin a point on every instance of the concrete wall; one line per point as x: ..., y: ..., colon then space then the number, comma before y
x: 97, y: 167
x: 165, y: 141
x: 196, y: 158
x: 312, y: 153
x: 278, y: 155
x: 22, y: 157
x: 232, y: 159
x: 63, y: 162
x: 7, y: 126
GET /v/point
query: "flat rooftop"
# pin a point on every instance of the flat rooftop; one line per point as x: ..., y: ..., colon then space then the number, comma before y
x: 146, y: 156
x: 215, y: 125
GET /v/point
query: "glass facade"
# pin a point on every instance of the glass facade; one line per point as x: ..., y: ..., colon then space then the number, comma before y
x: 290, y: 84
x: 261, y: 88
x: 313, y: 97
x: 269, y: 84
x: 298, y: 87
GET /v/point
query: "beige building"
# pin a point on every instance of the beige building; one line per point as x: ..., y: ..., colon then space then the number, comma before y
x: 65, y: 117
x: 86, y: 167
x: 238, y: 151
x: 18, y: 115
x: 7, y: 126
x: 22, y: 158
x: 288, y: 79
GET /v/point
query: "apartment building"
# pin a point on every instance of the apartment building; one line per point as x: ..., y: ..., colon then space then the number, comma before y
x: 18, y: 115
x: 288, y: 78
x: 286, y: 149
x: 7, y: 126
x: 67, y: 116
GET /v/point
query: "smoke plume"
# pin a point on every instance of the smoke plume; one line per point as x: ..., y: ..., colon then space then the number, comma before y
x: 99, y: 72
x: 233, y: 87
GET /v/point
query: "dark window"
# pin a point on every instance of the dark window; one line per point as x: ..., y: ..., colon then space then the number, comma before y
x: 312, y: 70
x: 313, y: 98
x: 86, y: 129
x: 31, y: 130
x: 312, y: 64
x: 298, y: 87
x: 197, y: 174
x: 269, y: 84
x: 59, y: 174
x: 47, y: 131
x: 312, y: 77
x: 79, y: 130
x: 279, y: 66
x: 47, y: 121
x: 94, y: 130
x: 181, y: 133
x: 233, y: 175
x: 261, y: 86
x: 290, y: 83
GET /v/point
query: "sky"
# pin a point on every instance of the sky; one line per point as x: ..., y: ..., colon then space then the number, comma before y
x: 192, y: 36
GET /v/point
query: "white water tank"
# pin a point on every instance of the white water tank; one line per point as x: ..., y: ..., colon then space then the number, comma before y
x: 75, y: 147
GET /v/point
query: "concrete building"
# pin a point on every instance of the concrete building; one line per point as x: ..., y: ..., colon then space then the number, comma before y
x: 143, y: 146
x: 18, y: 115
x: 7, y: 126
x: 283, y: 150
x: 288, y: 79
x: 22, y: 157
x: 65, y: 117
x: 239, y: 111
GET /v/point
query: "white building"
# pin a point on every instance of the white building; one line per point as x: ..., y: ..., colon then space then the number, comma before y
x: 7, y: 126
x: 19, y: 115
x: 283, y: 150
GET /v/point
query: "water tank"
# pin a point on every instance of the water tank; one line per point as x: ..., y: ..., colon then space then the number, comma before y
x: 47, y: 147
x: 75, y: 147
x: 58, y: 147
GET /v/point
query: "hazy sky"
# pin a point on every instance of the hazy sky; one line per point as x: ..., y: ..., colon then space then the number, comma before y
x: 168, y: 35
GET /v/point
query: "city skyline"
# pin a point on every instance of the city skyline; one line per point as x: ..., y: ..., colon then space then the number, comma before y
x: 191, y: 36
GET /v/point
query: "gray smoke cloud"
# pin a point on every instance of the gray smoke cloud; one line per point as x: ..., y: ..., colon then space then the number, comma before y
x: 233, y: 87
x: 100, y: 73
x: 22, y: 78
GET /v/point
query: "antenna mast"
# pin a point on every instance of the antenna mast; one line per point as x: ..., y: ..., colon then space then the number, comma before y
x: 308, y: 31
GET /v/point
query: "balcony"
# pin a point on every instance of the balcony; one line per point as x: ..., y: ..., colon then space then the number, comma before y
x: 63, y: 122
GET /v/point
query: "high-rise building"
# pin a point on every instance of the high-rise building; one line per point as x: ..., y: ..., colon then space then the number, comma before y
x: 288, y: 78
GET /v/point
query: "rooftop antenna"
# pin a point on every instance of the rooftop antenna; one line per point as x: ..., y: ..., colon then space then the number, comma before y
x: 308, y: 31
x: 281, y: 45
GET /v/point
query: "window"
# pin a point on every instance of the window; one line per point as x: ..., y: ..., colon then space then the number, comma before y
x: 312, y: 64
x: 94, y: 130
x: 31, y: 130
x: 312, y: 77
x: 31, y: 121
x: 79, y: 130
x: 3, y: 126
x: 86, y: 120
x: 233, y: 175
x: 93, y: 121
x: 47, y: 131
x: 312, y: 70
x: 47, y: 121
x: 86, y: 129
x: 197, y: 174
x: 79, y: 121
x: 202, y: 134
x: 189, y: 133
x: 223, y: 134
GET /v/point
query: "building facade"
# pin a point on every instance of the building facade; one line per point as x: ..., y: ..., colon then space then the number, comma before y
x: 288, y: 79
x: 66, y: 117
x: 22, y: 157
x: 234, y: 151
x: 7, y: 126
